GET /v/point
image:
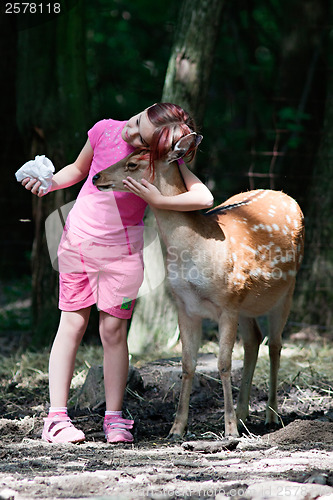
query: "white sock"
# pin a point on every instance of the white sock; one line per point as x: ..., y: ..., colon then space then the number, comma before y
x: 111, y: 414
x: 54, y: 410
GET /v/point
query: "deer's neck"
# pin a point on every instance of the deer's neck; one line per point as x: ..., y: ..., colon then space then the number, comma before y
x: 177, y: 227
x: 169, y: 180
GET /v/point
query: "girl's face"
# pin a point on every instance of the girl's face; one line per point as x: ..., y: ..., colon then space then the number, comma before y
x: 138, y: 131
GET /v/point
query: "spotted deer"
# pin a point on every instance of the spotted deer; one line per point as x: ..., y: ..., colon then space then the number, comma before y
x: 232, y: 264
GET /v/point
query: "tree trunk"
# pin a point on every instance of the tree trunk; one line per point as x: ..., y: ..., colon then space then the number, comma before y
x: 155, y: 323
x: 53, y: 118
x: 314, y: 291
x: 191, y: 62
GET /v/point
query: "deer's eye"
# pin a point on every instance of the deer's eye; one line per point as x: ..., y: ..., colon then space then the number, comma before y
x: 131, y: 165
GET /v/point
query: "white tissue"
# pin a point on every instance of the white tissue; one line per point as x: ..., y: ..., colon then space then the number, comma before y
x: 40, y: 168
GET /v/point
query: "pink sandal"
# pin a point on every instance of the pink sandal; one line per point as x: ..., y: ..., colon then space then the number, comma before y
x: 60, y: 429
x: 116, y: 430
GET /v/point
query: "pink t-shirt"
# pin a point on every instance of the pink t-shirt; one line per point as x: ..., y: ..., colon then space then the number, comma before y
x: 112, y: 217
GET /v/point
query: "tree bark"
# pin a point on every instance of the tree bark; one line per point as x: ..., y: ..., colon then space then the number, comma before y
x: 155, y: 321
x: 53, y: 118
x: 191, y: 62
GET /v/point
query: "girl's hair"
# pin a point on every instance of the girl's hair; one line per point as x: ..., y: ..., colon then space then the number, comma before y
x: 171, y: 123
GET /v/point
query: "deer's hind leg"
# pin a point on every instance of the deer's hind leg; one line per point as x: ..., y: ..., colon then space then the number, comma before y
x: 252, y: 337
x: 228, y: 323
x: 190, y: 335
x: 277, y: 320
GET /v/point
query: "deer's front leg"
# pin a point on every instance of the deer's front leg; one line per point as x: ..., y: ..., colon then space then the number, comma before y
x: 190, y: 335
x: 227, y: 335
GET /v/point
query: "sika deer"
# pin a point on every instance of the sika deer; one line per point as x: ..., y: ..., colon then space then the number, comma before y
x: 232, y: 264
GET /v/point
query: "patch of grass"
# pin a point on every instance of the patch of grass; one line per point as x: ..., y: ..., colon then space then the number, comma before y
x: 24, y: 379
x: 28, y: 369
x: 303, y: 364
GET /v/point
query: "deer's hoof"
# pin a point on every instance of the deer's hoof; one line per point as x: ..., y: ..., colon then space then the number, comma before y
x: 174, y: 438
x: 272, y: 426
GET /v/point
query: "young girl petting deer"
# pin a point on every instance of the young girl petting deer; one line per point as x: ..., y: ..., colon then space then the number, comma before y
x: 100, y: 255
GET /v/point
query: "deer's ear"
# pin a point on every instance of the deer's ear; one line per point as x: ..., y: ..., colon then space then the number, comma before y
x: 183, y: 145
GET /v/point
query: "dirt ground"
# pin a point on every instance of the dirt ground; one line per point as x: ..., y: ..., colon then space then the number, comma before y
x: 295, y: 461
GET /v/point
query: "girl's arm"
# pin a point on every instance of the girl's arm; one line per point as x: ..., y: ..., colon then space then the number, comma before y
x: 67, y: 176
x: 197, y: 196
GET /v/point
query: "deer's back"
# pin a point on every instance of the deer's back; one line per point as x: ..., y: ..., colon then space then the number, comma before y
x: 256, y: 261
x: 264, y: 233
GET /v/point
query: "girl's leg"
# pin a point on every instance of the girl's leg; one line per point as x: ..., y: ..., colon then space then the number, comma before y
x: 58, y: 428
x: 71, y: 329
x: 113, y: 332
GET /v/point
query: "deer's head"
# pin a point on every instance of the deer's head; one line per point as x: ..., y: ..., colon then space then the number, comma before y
x: 138, y: 165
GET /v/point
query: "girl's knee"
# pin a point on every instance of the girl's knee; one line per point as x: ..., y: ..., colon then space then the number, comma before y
x: 74, y: 322
x: 113, y: 331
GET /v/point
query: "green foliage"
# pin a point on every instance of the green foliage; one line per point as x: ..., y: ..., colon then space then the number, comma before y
x: 128, y: 46
x: 292, y: 120
x: 240, y: 113
x: 247, y: 114
x: 15, y: 307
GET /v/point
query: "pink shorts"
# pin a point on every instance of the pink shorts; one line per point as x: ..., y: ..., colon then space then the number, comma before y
x: 90, y: 273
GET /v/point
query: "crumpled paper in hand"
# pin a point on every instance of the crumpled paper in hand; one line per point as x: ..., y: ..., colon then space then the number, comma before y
x: 40, y: 168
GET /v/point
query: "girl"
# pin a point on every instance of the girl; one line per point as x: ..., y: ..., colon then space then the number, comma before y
x: 100, y: 259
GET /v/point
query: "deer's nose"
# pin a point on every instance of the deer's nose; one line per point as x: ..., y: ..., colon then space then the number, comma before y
x: 95, y: 178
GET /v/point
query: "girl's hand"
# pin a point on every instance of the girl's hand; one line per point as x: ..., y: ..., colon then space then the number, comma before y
x: 147, y: 191
x: 33, y: 185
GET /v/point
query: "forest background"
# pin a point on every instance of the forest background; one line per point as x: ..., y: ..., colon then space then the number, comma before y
x: 266, y: 118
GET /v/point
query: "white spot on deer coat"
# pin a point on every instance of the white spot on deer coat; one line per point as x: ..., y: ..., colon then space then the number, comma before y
x: 256, y: 272
x: 250, y: 249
